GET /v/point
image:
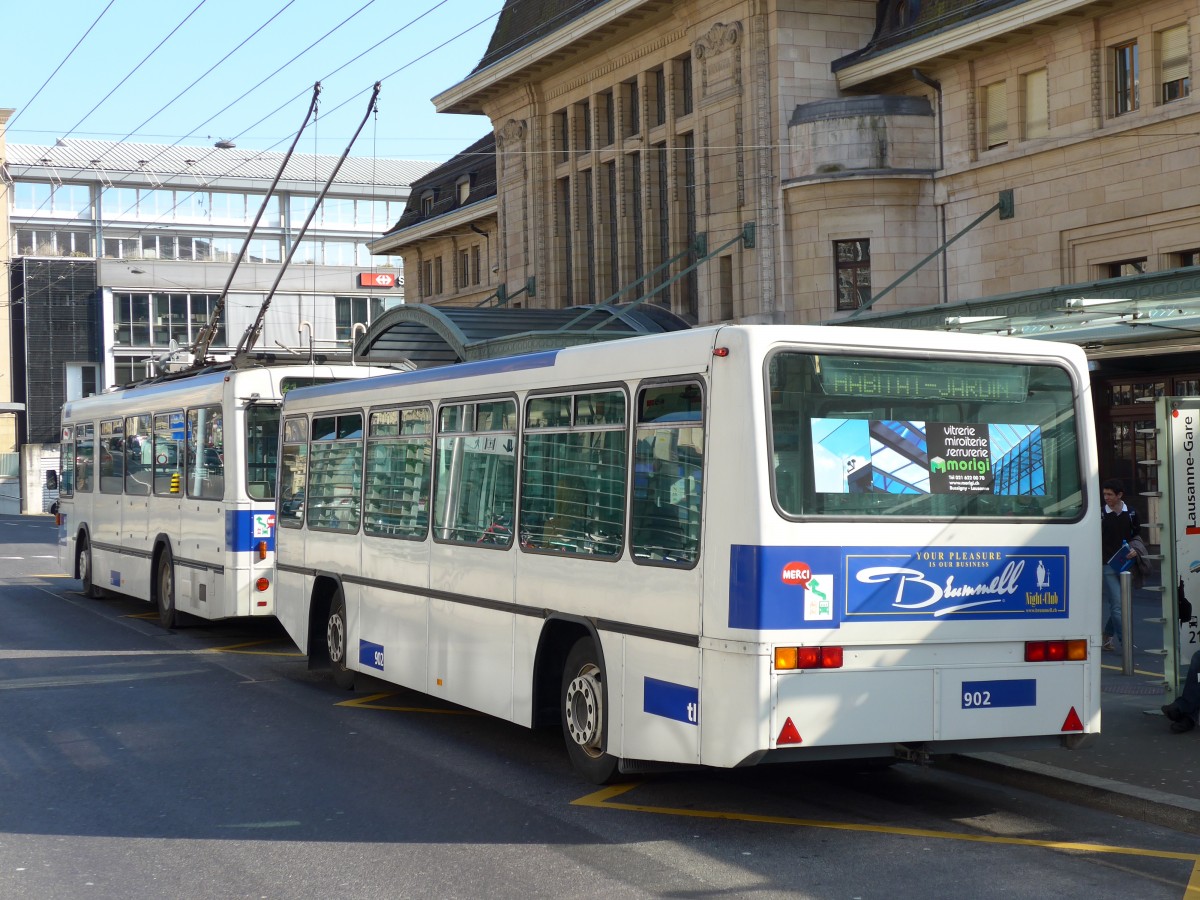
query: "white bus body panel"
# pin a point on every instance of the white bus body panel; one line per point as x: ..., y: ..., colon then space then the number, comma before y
x: 686, y: 682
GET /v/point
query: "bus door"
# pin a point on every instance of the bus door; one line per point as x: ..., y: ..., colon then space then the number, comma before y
x: 166, y: 483
x: 138, y: 489
x: 202, y: 526
x: 105, y: 523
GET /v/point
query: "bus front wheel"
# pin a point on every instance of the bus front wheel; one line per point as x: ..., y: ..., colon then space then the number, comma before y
x: 583, y: 713
x: 336, y: 642
x: 85, y: 570
x: 167, y: 614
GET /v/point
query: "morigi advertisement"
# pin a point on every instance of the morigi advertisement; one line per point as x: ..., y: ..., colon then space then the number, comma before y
x: 894, y: 456
x: 822, y: 587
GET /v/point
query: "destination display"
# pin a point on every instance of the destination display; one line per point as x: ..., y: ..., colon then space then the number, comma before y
x: 904, y: 379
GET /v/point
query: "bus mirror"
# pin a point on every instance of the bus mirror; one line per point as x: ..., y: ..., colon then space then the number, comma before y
x: 52, y: 480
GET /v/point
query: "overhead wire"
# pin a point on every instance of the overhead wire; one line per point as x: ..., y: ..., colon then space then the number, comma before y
x: 70, y: 53
x: 242, y: 162
x: 131, y: 72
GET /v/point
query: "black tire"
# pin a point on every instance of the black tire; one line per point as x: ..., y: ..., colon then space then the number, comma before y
x: 84, y: 562
x: 164, y: 578
x: 337, y: 643
x: 584, y: 707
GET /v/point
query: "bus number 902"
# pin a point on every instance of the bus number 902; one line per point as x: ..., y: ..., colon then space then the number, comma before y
x: 974, y: 699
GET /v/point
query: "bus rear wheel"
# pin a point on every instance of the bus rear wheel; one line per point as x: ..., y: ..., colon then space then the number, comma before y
x: 584, y: 708
x: 84, y: 562
x: 337, y: 641
x: 168, y: 616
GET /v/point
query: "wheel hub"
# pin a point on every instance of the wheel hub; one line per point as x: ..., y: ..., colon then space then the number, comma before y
x: 584, y: 710
x: 335, y: 638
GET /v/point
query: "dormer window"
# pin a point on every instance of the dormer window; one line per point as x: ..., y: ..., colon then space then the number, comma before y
x: 427, y: 203
x: 462, y: 189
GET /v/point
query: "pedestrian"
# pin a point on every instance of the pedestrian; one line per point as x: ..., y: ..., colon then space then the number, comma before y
x: 1118, y: 527
x: 1184, y: 712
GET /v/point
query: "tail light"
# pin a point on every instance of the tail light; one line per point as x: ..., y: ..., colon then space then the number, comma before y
x: 1055, y: 651
x: 808, y: 658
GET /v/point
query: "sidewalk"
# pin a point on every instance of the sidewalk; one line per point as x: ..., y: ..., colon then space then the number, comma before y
x: 1136, y: 767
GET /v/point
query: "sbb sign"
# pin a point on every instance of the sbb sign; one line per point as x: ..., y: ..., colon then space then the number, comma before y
x: 378, y: 279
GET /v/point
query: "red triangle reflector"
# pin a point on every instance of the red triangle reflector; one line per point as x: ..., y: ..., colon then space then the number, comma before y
x: 789, y: 734
x: 1072, y: 722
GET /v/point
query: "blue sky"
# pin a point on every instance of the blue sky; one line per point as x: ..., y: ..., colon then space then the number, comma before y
x: 408, y: 58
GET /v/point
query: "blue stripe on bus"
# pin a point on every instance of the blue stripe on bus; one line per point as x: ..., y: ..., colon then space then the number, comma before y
x: 245, y: 528
x: 823, y: 587
x: 672, y: 701
x: 370, y: 654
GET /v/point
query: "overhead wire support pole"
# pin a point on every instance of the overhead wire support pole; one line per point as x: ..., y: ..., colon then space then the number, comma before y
x: 250, y: 338
x: 1005, y: 207
x: 205, y: 338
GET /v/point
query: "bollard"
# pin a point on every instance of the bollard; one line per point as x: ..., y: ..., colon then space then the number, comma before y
x: 1126, y: 623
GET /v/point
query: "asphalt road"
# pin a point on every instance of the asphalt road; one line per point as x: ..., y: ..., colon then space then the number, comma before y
x: 209, y: 762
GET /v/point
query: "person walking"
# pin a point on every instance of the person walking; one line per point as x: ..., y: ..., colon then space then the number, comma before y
x: 1184, y: 712
x: 1118, y: 525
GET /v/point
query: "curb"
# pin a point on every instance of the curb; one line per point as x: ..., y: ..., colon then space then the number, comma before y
x: 1144, y: 804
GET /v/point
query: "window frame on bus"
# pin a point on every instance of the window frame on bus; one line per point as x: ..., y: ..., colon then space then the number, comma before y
x: 972, y: 505
x: 694, y: 520
x: 497, y: 534
x: 85, y: 437
x: 66, y: 465
x: 315, y: 505
x: 195, y: 447
x: 111, y: 431
x: 290, y: 504
x: 163, y: 439
x: 136, y: 421
x: 561, y: 524
x: 416, y: 508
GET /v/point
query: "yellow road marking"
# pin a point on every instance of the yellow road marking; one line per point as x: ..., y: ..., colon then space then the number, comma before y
x: 240, y: 649
x: 368, y: 702
x: 35, y: 575
x: 602, y: 799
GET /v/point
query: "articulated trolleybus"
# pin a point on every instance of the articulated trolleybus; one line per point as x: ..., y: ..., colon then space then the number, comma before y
x: 725, y: 546
x: 168, y: 488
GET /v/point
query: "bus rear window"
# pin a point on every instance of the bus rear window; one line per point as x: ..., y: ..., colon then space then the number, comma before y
x: 858, y: 435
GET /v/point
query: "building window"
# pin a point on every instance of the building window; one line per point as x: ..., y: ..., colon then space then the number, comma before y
x: 476, y: 265
x: 583, y: 122
x: 635, y: 109
x: 853, y: 263
x: 562, y: 136
x: 995, y: 100
x: 1037, y: 116
x: 462, y: 188
x: 464, y: 268
x: 351, y: 310
x: 1125, y: 77
x: 685, y: 85
x: 426, y: 286
x: 154, y: 320
x: 608, y: 109
x: 1124, y: 268
x: 1185, y: 258
x: 46, y: 242
x: 658, y: 80
x: 427, y: 204
x: 565, y: 244
x: 1176, y: 67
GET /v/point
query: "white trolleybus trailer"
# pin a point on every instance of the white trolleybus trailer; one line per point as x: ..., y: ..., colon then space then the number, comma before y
x: 721, y: 547
x: 168, y: 488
